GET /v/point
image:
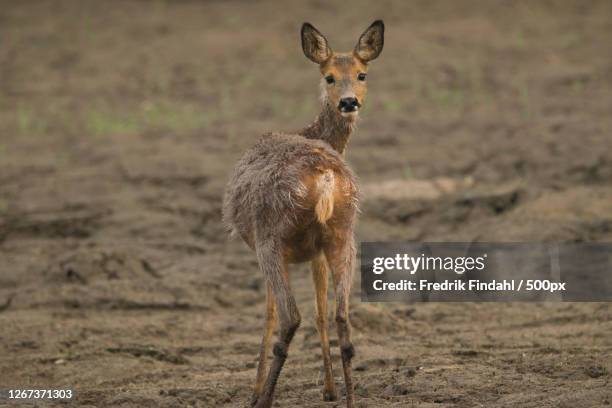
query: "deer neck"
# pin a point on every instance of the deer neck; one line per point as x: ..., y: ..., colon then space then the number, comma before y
x: 331, y: 127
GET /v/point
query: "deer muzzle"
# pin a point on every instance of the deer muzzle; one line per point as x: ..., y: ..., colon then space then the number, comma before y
x: 347, y: 105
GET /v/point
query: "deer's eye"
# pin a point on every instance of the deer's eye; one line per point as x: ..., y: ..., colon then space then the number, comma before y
x: 361, y: 76
x: 330, y: 79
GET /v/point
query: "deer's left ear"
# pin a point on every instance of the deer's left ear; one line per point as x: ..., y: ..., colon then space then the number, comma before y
x: 371, y: 42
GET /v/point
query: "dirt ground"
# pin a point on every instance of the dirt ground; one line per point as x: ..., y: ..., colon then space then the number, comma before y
x: 119, y: 124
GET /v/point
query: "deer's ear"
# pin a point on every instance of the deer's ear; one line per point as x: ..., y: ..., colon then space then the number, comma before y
x: 314, y: 44
x: 371, y: 42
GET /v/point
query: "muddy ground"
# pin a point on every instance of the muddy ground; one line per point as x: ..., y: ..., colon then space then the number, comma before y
x: 119, y: 123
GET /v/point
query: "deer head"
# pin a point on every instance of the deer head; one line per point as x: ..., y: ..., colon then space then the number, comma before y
x: 344, y: 74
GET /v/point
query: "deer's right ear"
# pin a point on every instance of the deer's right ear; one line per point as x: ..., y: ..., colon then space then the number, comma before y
x: 314, y: 44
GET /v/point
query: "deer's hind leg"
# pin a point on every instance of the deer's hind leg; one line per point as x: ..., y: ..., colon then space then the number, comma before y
x: 272, y: 263
x: 320, y: 272
x: 340, y: 254
x: 262, y: 366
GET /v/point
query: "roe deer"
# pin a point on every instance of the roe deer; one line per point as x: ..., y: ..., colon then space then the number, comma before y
x: 293, y: 198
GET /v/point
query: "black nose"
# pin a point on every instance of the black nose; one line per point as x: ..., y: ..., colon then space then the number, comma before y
x: 348, y: 105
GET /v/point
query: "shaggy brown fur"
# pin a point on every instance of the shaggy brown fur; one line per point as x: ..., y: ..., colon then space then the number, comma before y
x: 330, y: 127
x: 293, y: 198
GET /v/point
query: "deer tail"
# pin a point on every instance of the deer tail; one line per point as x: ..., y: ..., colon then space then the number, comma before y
x: 325, y: 202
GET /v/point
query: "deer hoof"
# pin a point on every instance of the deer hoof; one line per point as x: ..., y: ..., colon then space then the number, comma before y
x: 330, y: 395
x: 260, y: 402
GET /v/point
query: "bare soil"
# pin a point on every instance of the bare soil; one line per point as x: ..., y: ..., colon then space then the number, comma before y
x: 120, y: 121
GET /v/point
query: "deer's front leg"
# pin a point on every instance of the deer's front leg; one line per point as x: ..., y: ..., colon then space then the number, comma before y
x: 320, y: 278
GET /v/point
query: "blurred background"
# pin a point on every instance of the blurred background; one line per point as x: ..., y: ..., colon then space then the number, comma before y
x: 120, y: 122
